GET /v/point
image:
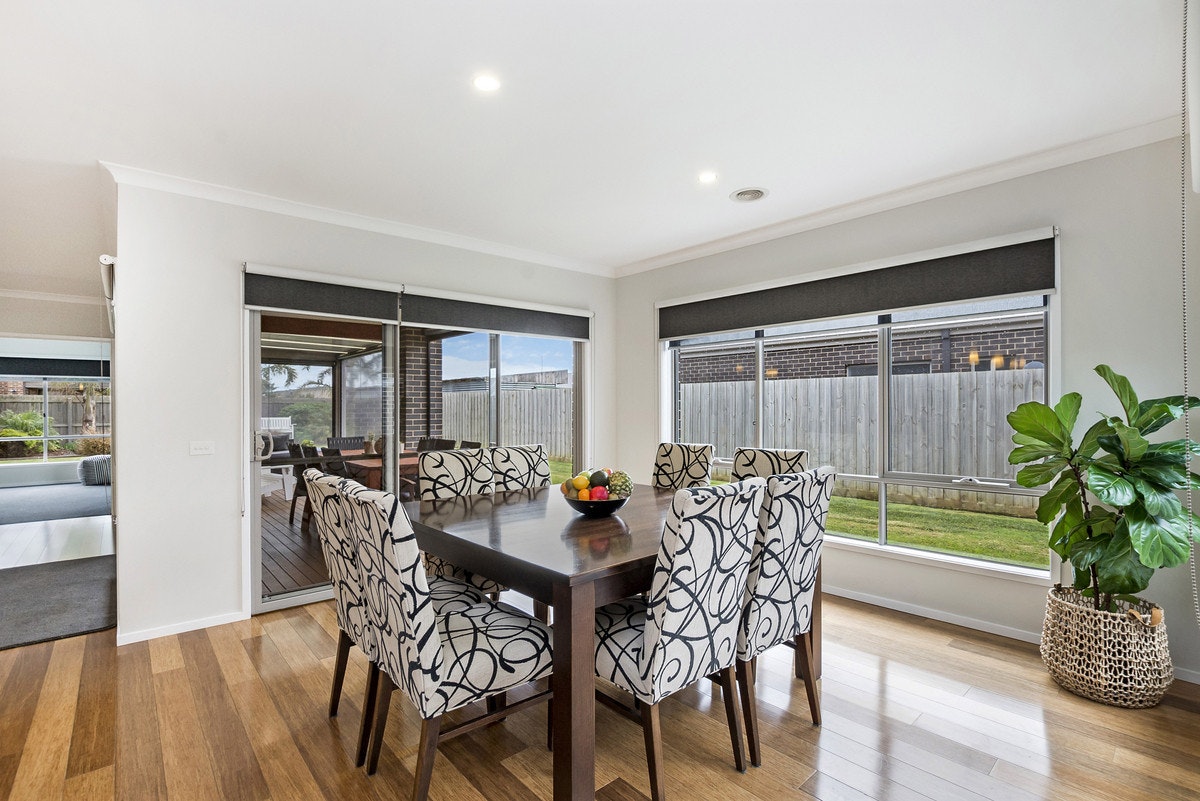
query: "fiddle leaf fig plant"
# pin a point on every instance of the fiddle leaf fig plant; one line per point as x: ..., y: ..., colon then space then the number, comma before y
x: 1116, y: 517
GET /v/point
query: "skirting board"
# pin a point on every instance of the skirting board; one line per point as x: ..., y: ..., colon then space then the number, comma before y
x: 127, y: 638
x: 1181, y: 674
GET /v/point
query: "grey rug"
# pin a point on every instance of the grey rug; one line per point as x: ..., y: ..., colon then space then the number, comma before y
x: 55, y: 600
x: 53, y: 502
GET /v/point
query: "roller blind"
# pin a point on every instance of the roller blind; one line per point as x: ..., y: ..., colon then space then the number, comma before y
x: 433, y: 311
x: 54, y: 368
x: 1025, y: 267
x: 275, y: 292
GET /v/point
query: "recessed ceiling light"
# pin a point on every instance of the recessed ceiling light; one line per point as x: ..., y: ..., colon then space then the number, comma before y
x: 748, y: 195
x: 707, y: 177
x: 487, y: 83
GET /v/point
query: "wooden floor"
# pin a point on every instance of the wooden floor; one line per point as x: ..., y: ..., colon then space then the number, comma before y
x: 914, y: 710
x: 291, y: 559
x: 41, y: 541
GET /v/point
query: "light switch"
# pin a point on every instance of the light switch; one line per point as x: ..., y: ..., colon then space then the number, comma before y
x: 202, y: 447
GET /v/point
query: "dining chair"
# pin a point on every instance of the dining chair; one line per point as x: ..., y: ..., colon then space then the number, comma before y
x: 686, y: 627
x: 339, y: 547
x: 781, y: 585
x: 520, y: 467
x: 764, y: 462
x: 451, y: 474
x: 679, y: 465
x: 441, y: 663
x: 469, y: 443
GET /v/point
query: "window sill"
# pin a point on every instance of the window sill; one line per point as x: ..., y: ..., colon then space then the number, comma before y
x: 1024, y: 575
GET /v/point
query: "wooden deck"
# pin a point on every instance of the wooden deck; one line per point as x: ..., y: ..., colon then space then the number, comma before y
x: 291, y: 559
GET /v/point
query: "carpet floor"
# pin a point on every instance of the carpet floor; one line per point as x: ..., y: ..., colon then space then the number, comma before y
x: 53, y: 502
x: 59, y: 599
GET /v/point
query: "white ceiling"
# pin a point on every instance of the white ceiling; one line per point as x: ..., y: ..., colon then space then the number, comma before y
x: 587, y: 157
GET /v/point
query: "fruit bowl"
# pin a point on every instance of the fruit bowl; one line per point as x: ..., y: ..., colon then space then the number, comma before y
x: 596, y: 508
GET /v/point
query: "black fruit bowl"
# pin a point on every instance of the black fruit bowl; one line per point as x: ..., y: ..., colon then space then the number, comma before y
x: 595, y: 508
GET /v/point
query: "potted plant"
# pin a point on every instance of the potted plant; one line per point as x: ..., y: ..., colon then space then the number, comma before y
x: 1117, y: 519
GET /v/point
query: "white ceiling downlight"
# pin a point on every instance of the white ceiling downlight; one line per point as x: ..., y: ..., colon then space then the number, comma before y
x: 748, y: 195
x: 486, y: 83
x: 707, y: 177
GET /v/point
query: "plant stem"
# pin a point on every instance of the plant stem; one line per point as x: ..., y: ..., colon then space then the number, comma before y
x: 1087, y: 513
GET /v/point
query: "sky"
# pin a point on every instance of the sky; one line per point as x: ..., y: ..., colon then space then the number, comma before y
x: 467, y: 356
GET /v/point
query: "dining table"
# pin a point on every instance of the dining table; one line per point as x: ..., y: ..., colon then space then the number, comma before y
x: 533, y: 542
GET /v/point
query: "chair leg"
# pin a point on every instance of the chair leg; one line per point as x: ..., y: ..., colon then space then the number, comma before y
x: 292, y: 513
x: 383, y: 700
x: 339, y: 672
x: 368, y: 715
x: 550, y: 725
x: 749, y: 710
x: 805, y: 670
x: 426, y: 753
x: 652, y: 731
x: 729, y: 691
x: 497, y: 702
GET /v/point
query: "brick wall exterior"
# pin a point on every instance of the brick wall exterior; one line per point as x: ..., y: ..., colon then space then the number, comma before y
x: 947, y: 350
x: 420, y: 385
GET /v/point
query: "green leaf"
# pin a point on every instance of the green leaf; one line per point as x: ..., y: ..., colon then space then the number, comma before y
x: 1063, y: 490
x: 1157, y: 545
x: 1179, y: 525
x: 1067, y: 410
x: 1086, y: 553
x: 1039, y: 421
x: 1110, y: 487
x: 1156, y: 413
x: 1031, y: 453
x: 1124, y: 390
x: 1082, y: 582
x: 1120, y: 570
x: 1165, y: 476
x: 1035, y: 475
x: 1133, y: 443
x: 1024, y: 439
x: 1158, y: 502
x: 1063, y: 535
x: 1091, y: 438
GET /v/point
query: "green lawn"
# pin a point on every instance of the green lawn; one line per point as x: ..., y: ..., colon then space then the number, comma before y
x: 997, y: 538
x: 560, y: 471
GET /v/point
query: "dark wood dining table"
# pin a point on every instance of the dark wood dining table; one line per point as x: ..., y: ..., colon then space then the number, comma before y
x: 532, y: 542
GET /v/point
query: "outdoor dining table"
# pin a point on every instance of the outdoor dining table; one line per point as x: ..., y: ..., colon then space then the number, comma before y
x: 532, y: 542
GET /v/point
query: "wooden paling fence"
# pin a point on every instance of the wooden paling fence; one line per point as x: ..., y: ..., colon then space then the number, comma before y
x: 65, y: 411
x: 526, y: 416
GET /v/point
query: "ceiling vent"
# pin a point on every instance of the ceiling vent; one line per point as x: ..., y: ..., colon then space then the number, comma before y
x: 748, y: 195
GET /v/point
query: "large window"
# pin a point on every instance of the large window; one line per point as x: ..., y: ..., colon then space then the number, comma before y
x: 45, y: 419
x: 908, y: 407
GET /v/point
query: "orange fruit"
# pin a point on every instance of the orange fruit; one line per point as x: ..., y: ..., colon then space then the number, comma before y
x: 565, y: 486
x: 585, y: 495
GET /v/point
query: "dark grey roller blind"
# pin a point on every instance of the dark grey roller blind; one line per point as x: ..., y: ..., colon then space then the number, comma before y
x: 1005, y: 270
x: 54, y: 368
x: 274, y: 292
x: 426, y: 310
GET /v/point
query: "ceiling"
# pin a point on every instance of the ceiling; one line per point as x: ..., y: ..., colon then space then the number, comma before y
x: 587, y: 156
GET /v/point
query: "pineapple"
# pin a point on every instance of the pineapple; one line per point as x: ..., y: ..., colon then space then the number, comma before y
x: 620, y: 485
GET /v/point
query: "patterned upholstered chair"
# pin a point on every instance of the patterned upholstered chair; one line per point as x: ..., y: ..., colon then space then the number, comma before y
x: 679, y: 466
x: 520, y: 467
x: 687, y: 626
x: 764, y: 462
x: 441, y: 663
x: 340, y: 549
x: 782, y: 584
x: 450, y: 474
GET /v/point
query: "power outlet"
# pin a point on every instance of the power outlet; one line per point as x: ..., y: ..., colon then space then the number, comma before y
x: 202, y: 447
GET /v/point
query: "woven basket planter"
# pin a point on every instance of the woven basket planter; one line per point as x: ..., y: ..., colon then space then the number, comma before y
x: 1105, y: 656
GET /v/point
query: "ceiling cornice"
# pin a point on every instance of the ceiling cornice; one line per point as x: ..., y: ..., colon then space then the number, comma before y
x: 994, y: 173
x: 147, y: 179
x: 51, y: 297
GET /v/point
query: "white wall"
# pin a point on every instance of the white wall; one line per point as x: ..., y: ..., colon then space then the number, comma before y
x: 1119, y: 251
x: 178, y: 372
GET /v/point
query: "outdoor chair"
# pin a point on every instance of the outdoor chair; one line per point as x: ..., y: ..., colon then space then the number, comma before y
x: 297, y: 451
x: 441, y: 663
x: 781, y: 586
x: 679, y: 466
x: 345, y: 443
x: 686, y: 628
x: 763, y: 462
x: 467, y: 444
x: 434, y: 444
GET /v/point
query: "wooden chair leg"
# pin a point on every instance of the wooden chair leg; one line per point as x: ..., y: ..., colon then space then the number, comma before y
x: 339, y: 672
x: 292, y: 513
x: 745, y: 682
x: 805, y: 670
x: 426, y: 753
x: 497, y: 702
x: 728, y: 683
x: 383, y: 700
x: 652, y: 731
x: 368, y: 715
x: 550, y: 725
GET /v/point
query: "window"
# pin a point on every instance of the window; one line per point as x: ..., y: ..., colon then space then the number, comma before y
x: 909, y: 407
x: 49, y: 419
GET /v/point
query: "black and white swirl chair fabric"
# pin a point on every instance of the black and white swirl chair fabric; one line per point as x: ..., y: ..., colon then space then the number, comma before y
x: 451, y: 474
x: 686, y: 628
x: 520, y: 467
x: 679, y: 466
x: 764, y: 462
x: 781, y: 587
x: 441, y: 663
x: 340, y: 548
